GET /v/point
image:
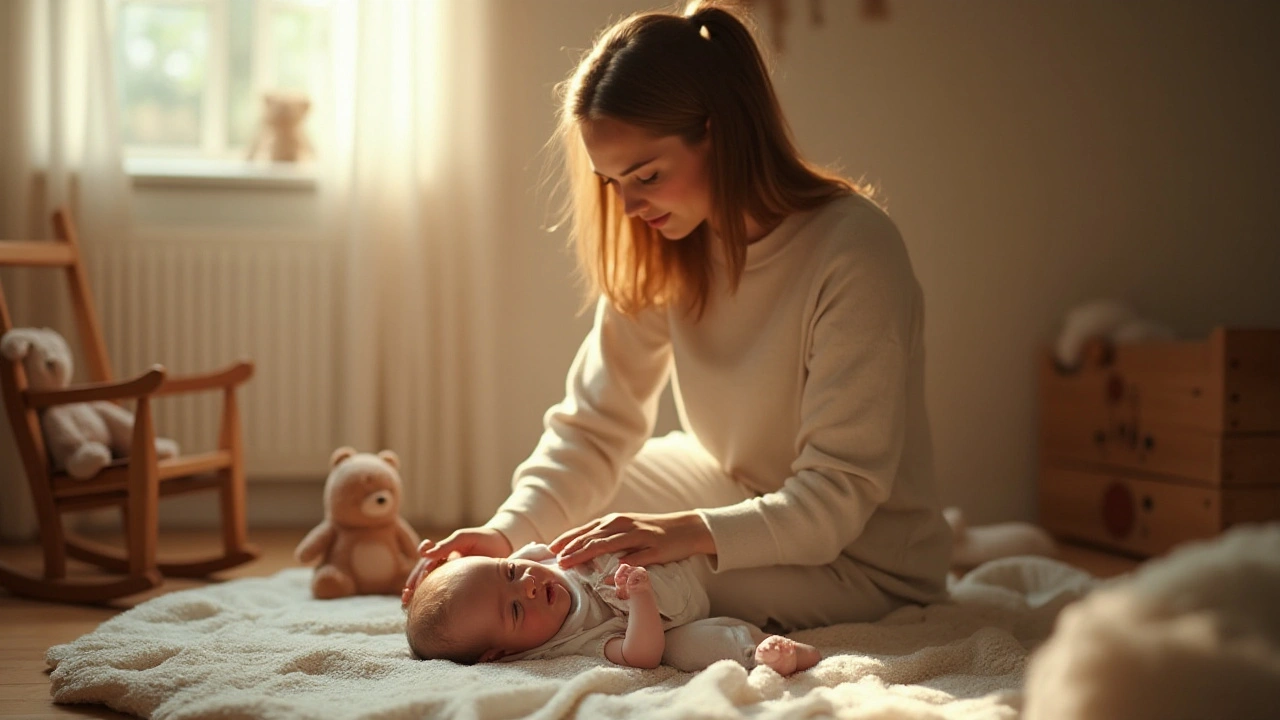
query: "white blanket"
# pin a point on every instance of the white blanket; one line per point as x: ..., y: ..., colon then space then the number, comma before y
x: 263, y: 648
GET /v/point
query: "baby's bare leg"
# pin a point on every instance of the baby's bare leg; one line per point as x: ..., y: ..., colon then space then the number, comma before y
x: 786, y: 656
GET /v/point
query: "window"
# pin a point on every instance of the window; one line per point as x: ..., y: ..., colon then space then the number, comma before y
x: 191, y: 74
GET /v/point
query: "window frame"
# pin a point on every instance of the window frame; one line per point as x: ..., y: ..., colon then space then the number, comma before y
x: 216, y: 160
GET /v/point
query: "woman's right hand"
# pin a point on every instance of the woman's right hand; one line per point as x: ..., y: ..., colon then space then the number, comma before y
x: 467, y: 541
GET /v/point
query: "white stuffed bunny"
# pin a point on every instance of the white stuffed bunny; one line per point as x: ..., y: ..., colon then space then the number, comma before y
x: 82, y: 437
x: 973, y: 545
x: 1108, y: 319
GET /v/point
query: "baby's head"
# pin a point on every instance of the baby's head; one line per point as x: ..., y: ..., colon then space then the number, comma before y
x: 481, y: 609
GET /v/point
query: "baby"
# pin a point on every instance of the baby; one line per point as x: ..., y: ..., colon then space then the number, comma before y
x: 483, y: 609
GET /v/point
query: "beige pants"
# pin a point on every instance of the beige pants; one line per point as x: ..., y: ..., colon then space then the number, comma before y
x: 696, y: 645
x: 673, y: 473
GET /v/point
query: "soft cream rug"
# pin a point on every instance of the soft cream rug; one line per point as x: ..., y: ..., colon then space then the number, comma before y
x: 263, y: 648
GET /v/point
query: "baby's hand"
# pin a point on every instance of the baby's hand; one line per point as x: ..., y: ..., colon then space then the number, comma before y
x: 630, y: 580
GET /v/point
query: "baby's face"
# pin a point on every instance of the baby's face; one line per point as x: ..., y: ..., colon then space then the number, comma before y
x: 516, y: 605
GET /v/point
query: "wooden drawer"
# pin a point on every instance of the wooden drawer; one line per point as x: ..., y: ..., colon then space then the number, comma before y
x: 1144, y: 516
x: 1151, y: 447
x: 1229, y: 383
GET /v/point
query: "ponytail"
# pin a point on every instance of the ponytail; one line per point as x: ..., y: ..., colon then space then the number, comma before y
x: 730, y: 35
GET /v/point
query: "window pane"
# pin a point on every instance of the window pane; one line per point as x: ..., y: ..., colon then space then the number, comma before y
x: 299, y: 46
x: 243, y: 107
x: 162, y: 52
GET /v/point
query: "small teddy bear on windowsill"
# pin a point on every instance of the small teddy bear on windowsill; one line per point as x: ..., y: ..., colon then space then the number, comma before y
x: 281, y: 136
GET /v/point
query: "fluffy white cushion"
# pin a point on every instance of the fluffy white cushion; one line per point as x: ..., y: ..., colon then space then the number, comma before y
x: 1194, y: 635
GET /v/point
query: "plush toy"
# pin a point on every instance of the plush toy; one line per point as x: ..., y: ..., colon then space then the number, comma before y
x: 1110, y: 320
x: 973, y: 545
x: 281, y: 137
x: 364, y: 546
x: 82, y: 437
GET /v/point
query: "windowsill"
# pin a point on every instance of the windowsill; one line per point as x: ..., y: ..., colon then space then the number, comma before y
x: 210, y: 173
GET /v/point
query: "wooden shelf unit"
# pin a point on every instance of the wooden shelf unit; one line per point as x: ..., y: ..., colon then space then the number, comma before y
x: 1150, y: 445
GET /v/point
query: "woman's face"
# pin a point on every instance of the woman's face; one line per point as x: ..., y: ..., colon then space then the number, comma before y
x: 661, y: 180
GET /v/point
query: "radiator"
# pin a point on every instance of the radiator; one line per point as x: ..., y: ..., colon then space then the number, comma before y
x: 194, y: 302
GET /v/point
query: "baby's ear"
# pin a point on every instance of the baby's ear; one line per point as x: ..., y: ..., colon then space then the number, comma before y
x: 493, y: 655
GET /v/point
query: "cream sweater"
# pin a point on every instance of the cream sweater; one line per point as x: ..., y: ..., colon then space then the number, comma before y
x: 807, y: 385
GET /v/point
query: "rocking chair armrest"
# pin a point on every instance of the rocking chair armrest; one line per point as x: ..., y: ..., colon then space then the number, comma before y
x: 142, y: 385
x: 228, y: 377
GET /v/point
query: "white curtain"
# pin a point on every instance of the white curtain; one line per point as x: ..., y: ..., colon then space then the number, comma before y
x: 408, y: 151
x: 59, y: 146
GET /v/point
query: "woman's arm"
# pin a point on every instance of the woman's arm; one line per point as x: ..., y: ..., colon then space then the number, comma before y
x: 645, y: 641
x: 609, y: 410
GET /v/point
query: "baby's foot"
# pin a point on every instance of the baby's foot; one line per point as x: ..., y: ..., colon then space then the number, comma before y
x: 786, y: 656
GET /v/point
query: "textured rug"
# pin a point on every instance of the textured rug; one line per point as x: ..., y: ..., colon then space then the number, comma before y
x: 263, y: 648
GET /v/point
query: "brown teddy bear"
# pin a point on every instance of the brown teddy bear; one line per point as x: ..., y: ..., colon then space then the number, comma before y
x: 281, y: 137
x: 82, y: 437
x: 365, y: 547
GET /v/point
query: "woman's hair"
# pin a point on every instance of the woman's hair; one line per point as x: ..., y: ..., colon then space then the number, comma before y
x: 428, y: 627
x: 682, y: 75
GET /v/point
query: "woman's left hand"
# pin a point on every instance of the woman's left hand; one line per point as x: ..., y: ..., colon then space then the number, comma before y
x: 642, y: 539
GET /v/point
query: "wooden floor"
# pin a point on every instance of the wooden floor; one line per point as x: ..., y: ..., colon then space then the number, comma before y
x: 28, y: 628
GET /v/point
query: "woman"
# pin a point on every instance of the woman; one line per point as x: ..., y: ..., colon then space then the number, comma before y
x: 781, y: 304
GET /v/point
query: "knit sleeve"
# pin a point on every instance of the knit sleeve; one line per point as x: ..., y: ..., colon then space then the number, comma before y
x: 609, y: 410
x: 863, y: 320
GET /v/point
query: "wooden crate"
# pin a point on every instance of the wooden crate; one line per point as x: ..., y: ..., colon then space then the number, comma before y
x: 1186, y: 434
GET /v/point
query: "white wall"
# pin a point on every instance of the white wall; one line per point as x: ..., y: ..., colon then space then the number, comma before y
x: 1034, y: 155
x: 1039, y: 154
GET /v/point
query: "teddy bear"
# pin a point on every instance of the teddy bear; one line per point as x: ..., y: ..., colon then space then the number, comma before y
x: 82, y: 438
x: 280, y: 135
x: 364, y: 546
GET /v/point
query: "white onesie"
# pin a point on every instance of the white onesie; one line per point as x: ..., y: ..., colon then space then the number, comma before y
x: 596, y: 614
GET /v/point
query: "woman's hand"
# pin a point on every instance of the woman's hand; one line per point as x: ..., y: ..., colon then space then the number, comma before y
x: 467, y: 541
x: 643, y: 539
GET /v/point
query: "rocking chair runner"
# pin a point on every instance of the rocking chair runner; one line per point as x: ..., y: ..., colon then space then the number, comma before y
x: 134, y: 484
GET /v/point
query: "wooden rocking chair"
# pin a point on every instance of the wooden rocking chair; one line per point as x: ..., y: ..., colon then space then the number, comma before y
x: 134, y: 484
